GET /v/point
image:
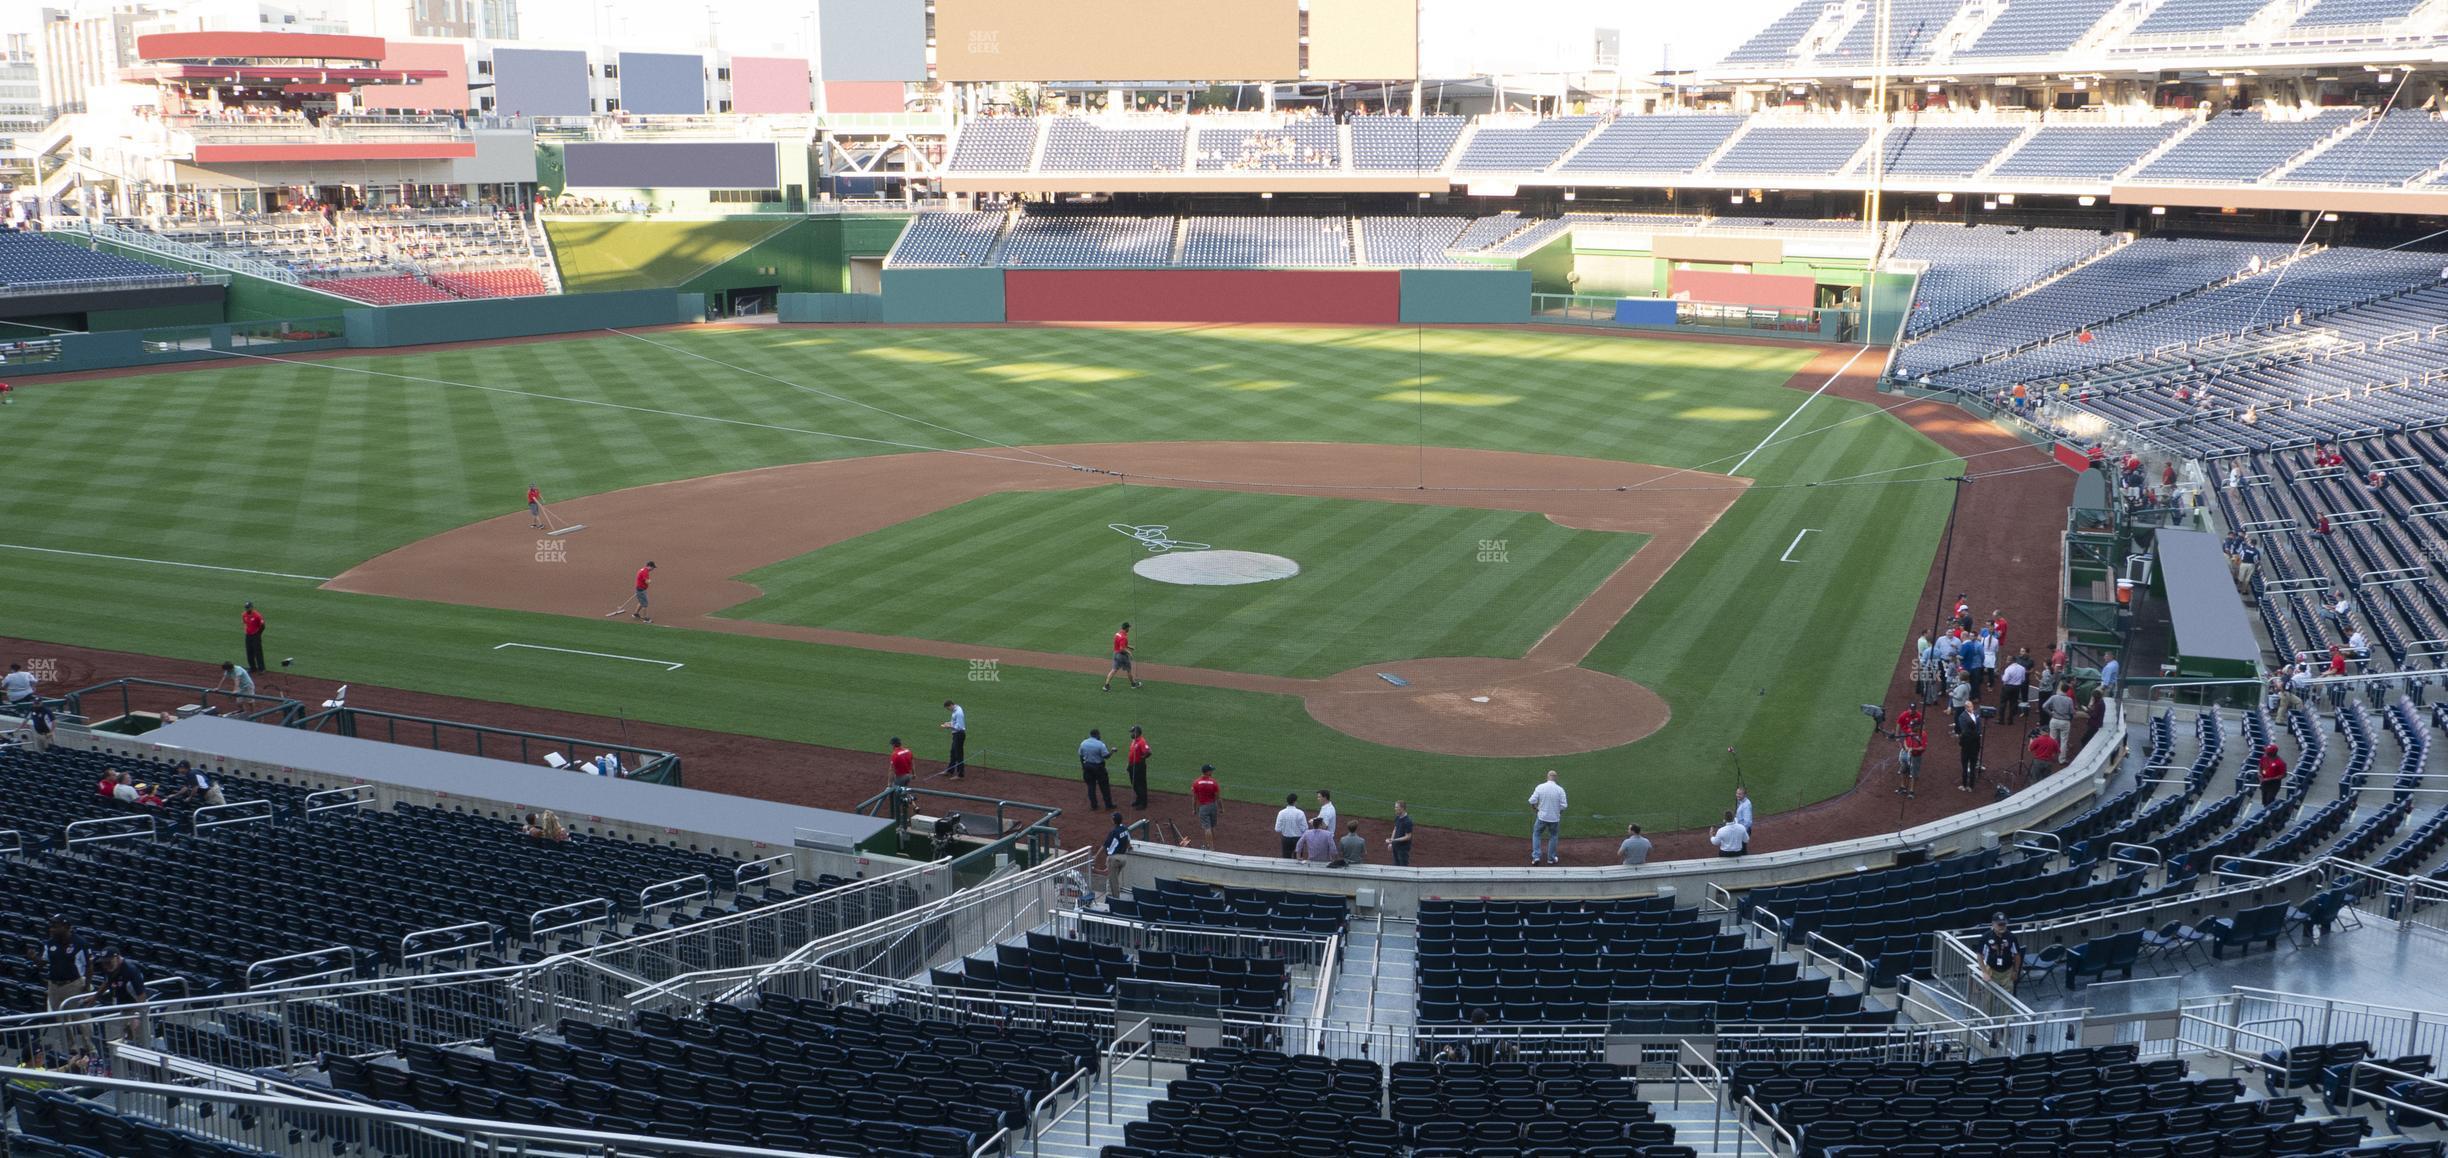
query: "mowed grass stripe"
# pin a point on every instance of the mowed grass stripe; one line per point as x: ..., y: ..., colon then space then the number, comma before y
x: 1380, y: 580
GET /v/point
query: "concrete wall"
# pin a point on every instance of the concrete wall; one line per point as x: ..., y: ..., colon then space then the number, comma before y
x: 1360, y: 297
x: 1398, y: 891
x: 474, y: 321
x: 830, y: 307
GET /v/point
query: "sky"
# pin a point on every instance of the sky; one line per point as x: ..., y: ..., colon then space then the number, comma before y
x: 1458, y: 37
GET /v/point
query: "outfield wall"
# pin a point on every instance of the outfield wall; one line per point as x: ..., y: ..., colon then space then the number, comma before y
x: 943, y: 295
x: 1355, y: 297
x: 830, y: 307
x: 485, y: 320
x: 1465, y: 296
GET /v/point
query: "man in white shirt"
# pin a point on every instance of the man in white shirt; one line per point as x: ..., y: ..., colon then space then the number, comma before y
x: 18, y: 684
x: 1291, y: 823
x: 2011, y: 689
x: 956, y: 766
x: 1326, y: 811
x: 1548, y: 802
x: 1742, y: 808
x: 1731, y: 838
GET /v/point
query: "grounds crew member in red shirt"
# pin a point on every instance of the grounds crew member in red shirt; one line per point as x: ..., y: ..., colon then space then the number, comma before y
x: 1121, y: 658
x: 1206, y: 795
x: 254, y: 624
x: 535, y: 506
x: 2273, y: 775
x: 644, y: 574
x: 1135, y: 763
x: 903, y: 763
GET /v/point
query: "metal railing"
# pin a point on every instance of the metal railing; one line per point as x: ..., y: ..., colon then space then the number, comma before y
x: 345, y: 956
x: 591, y: 911
x: 235, y: 812
x: 121, y: 828
x: 451, y: 945
x: 281, y: 1123
x: 333, y: 799
x: 1712, y: 1083
x: 677, y: 891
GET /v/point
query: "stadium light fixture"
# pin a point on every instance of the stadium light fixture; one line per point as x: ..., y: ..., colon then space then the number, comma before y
x: 1989, y: 204
x: 2005, y: 198
x: 1736, y: 199
x: 2330, y: 218
x: 2086, y: 201
x: 2158, y: 210
x: 1946, y: 199
x: 1569, y: 195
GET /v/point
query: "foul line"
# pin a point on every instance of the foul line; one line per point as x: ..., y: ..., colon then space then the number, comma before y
x: 665, y: 664
x: 165, y: 563
x: 1797, y: 411
x: 1787, y: 557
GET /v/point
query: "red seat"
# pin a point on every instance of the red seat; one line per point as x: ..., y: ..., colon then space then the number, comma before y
x: 390, y: 290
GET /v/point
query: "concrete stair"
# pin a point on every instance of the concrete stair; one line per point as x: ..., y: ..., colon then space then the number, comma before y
x: 1087, y: 1130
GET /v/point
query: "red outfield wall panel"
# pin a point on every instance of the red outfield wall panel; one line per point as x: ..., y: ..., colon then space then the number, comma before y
x: 1783, y: 291
x: 1361, y: 297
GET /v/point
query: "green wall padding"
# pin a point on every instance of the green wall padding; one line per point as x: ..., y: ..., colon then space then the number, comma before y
x: 943, y: 295
x: 252, y: 299
x: 1464, y: 296
x: 830, y: 308
x: 475, y: 321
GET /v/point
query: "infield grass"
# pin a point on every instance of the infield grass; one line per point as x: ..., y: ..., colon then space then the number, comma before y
x: 309, y: 468
x: 1045, y: 571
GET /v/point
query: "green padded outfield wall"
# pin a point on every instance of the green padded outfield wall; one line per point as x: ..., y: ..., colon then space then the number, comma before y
x: 796, y: 254
x: 830, y: 308
x: 943, y: 295
x: 1465, y: 296
x: 476, y: 321
x: 251, y: 299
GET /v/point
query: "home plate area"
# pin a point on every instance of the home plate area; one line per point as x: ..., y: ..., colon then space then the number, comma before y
x: 1216, y: 568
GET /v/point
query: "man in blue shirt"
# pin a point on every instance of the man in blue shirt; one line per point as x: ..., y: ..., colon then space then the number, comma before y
x: 1093, y: 754
x: 2108, y: 678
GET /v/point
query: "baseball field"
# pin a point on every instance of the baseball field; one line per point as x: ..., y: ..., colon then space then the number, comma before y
x: 1515, y: 550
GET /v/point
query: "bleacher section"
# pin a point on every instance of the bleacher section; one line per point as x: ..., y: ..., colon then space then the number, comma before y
x: 1791, y: 151
x: 937, y: 239
x: 1912, y: 33
x: 1653, y: 144
x: 1503, y: 147
x: 2235, y: 146
x: 383, y: 258
x: 994, y: 144
x: 1314, y: 143
x: 1410, y: 241
x: 2087, y: 153
x: 1945, y: 150
x: 1268, y: 242
x: 1038, y: 241
x: 1076, y: 145
x: 29, y: 260
x: 2400, y: 148
x: 1972, y: 266
x: 391, y: 874
x: 1404, y: 144
x: 2030, y: 28
x: 1777, y: 43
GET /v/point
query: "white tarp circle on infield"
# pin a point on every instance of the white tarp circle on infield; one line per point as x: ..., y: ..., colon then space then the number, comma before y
x: 1216, y: 568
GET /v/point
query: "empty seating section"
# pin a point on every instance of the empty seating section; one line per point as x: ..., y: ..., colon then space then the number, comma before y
x: 1792, y: 150
x: 32, y: 258
x: 1658, y: 144
x: 1236, y: 1101
x: 788, y: 1074
x: 1571, y: 962
x: 1074, y: 145
x: 936, y: 239
x: 1972, y: 266
x: 58, y: 1124
x: 2240, y: 147
x: 1311, y: 143
x: 1888, y: 917
x: 2370, y: 368
x: 2316, y: 283
x: 2087, y: 153
x: 1083, y: 240
x: 383, y: 290
x: 1487, y: 232
x: 1912, y: 32
x: 1778, y: 42
x: 492, y: 283
x: 1409, y: 241
x: 2346, y: 13
x: 1256, y: 910
x: 1945, y: 150
x: 1403, y: 144
x: 2134, y: 276
x: 1506, y: 148
x: 2100, y: 1101
x: 2037, y: 27
x: 2401, y: 147
x: 385, y: 875
x: 994, y: 144
x: 1044, y: 963
x: 1247, y: 242
x: 2178, y: 17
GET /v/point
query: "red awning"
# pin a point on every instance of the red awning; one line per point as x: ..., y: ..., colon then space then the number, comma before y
x: 258, y: 46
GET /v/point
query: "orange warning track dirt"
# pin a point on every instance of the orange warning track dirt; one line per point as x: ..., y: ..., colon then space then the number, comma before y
x: 707, y: 530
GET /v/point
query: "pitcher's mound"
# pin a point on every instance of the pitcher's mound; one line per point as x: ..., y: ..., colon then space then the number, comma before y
x: 1463, y: 706
x: 1216, y: 568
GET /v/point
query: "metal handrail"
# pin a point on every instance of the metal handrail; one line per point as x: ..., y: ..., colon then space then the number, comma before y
x: 2118, y: 849
x: 254, y: 810
x: 462, y: 947
x: 1813, y: 940
x: 739, y: 876
x: 16, y: 841
x: 1327, y: 967
x: 2376, y: 1067
x: 1758, y: 1114
x: 353, y: 796
x: 1040, y: 1127
x: 69, y: 838
x: 2054, y: 847
x: 344, y: 952
x: 584, y: 1140
x: 1715, y: 1084
x: 536, y: 931
x: 705, y: 888
x: 1113, y: 1064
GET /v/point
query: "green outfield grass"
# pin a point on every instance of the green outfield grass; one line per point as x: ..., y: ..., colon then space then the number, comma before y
x: 306, y: 469
x: 1378, y: 581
